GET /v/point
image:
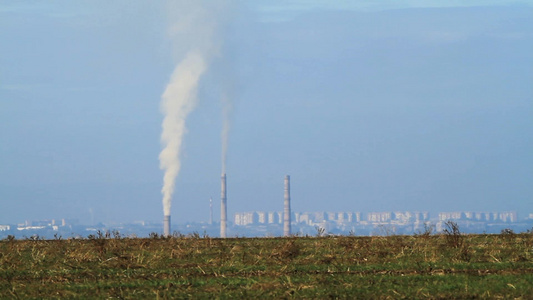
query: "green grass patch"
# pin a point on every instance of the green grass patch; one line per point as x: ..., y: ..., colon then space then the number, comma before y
x: 432, y: 267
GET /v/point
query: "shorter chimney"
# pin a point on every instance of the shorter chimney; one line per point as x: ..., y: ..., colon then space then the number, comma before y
x: 166, y: 226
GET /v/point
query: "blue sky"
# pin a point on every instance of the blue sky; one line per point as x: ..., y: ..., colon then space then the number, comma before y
x: 387, y: 105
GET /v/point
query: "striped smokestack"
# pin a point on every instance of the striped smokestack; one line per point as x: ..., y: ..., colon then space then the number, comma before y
x: 287, y: 207
x: 166, y: 226
x: 223, y: 208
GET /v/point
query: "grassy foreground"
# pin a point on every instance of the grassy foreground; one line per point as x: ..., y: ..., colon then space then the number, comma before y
x: 423, y: 266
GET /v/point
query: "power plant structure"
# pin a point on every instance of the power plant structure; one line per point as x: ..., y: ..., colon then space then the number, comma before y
x: 287, y: 207
x: 224, y: 210
x: 223, y: 207
x: 166, y: 226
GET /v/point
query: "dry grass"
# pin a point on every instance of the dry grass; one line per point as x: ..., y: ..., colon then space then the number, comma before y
x: 423, y: 266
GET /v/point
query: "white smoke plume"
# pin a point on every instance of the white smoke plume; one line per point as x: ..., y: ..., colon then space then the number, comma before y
x: 193, y: 34
x: 179, y: 100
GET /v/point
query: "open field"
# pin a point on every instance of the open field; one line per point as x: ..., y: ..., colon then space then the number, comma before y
x: 422, y: 266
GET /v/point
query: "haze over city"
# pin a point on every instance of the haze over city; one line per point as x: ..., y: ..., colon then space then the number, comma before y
x: 369, y: 106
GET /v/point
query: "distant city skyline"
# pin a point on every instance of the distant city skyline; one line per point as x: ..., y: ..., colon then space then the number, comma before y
x: 269, y: 224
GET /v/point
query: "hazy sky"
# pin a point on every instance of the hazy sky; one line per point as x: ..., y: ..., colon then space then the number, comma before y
x: 374, y: 106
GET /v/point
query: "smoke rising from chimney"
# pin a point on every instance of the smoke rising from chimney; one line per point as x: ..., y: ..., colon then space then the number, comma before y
x: 192, y: 33
x: 179, y: 100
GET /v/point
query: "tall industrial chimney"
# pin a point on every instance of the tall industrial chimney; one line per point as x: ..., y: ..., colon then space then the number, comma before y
x: 223, y: 208
x: 166, y: 226
x: 287, y: 207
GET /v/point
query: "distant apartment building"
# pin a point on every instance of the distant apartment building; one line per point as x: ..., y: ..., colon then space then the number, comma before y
x: 391, y: 222
x: 310, y: 218
x: 397, y: 217
x: 348, y: 217
x: 505, y: 217
x: 246, y: 218
x: 379, y: 217
x: 334, y: 218
x: 262, y: 217
x: 508, y: 216
x: 307, y: 218
x: 274, y: 217
x: 338, y: 218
